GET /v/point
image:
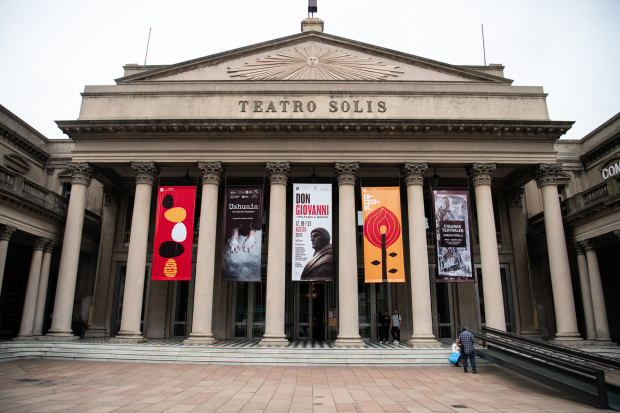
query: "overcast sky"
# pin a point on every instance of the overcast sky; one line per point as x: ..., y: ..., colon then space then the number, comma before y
x: 49, y: 50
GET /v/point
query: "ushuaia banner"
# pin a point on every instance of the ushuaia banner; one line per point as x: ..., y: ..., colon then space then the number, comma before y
x: 242, y: 235
x: 383, y: 239
x: 453, y: 236
x: 174, y: 233
x: 312, y: 232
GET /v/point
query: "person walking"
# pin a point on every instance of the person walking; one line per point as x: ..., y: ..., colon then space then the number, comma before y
x: 395, y: 325
x: 384, y: 327
x: 467, y: 340
x: 456, y: 348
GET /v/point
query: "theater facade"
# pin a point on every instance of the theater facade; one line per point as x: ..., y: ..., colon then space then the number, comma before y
x: 307, y: 110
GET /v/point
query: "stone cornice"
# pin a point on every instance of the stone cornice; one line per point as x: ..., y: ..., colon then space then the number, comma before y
x: 414, y: 172
x: 346, y: 171
x: 316, y: 129
x: 600, y: 151
x: 13, y: 138
x: 278, y: 172
x: 211, y: 172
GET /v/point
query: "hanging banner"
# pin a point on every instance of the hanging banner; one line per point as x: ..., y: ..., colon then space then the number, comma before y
x: 174, y: 233
x: 312, y: 232
x: 383, y: 240
x: 453, y: 238
x: 242, y: 233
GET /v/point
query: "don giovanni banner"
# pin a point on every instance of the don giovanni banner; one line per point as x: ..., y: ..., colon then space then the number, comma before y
x: 453, y: 236
x: 312, y: 232
x: 174, y: 233
x: 242, y: 235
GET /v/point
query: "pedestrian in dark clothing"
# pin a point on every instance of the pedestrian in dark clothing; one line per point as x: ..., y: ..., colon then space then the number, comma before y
x: 384, y: 329
x: 467, y: 340
x: 395, y: 324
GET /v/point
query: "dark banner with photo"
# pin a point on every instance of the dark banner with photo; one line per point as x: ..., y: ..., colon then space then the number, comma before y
x: 242, y: 233
x: 174, y: 233
x: 453, y: 236
x: 312, y: 232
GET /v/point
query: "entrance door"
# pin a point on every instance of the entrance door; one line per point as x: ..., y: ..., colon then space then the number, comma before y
x: 119, y: 293
x: 441, y: 306
x: 373, y: 299
x: 314, y: 316
x: 182, y: 307
x: 509, y: 314
x: 249, y: 310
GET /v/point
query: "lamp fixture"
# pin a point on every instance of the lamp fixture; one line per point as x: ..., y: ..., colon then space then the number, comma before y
x: 187, y: 180
x: 435, y: 179
x: 313, y: 178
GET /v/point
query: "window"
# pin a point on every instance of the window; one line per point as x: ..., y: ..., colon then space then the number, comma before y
x: 66, y: 190
x: 562, y: 192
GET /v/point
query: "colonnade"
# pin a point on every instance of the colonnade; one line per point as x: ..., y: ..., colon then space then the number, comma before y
x: 130, y: 331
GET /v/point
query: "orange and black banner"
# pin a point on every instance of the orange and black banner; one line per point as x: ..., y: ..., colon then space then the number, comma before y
x: 383, y: 236
x: 174, y: 233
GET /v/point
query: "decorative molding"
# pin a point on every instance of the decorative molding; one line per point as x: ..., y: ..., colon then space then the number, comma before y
x: 17, y: 162
x: 145, y: 172
x: 81, y: 172
x: 111, y: 195
x: 515, y: 196
x: 346, y: 171
x: 481, y: 173
x: 49, y: 247
x: 23, y: 144
x: 312, y: 63
x: 278, y: 172
x: 211, y: 172
x: 40, y: 243
x: 547, y: 174
x: 6, y: 232
x: 590, y: 245
x: 414, y: 172
x: 579, y: 248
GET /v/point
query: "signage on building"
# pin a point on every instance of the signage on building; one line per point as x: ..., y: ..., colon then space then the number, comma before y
x: 383, y: 239
x: 611, y: 170
x: 453, y: 246
x: 312, y: 232
x: 174, y: 233
x: 242, y: 233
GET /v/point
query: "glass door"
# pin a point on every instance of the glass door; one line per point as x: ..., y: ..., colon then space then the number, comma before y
x: 315, y: 313
x: 504, y: 272
x: 249, y: 310
x: 373, y: 299
x: 441, y: 306
x: 182, y: 307
x: 119, y: 293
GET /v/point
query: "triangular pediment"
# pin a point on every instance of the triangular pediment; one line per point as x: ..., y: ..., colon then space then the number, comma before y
x: 312, y: 56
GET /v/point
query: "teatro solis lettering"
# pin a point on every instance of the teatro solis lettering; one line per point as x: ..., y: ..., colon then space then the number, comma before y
x: 284, y: 106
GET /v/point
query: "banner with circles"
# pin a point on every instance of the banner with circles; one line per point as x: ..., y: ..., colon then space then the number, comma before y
x: 174, y: 233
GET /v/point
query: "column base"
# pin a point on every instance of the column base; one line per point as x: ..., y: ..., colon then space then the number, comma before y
x: 603, y: 343
x: 349, y: 342
x: 197, y: 339
x: 423, y: 341
x: 531, y: 334
x: 95, y: 332
x: 568, y: 339
x: 128, y: 337
x: 59, y: 337
x: 276, y: 341
x: 25, y: 338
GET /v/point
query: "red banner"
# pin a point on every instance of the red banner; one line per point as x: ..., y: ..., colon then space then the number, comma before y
x: 174, y: 233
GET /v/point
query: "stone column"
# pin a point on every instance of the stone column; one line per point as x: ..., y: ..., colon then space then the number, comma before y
x: 480, y: 174
x: 598, y: 298
x: 30, y: 300
x: 519, y: 245
x: 348, y: 317
x: 276, y: 256
x: 131, y: 317
x: 205, y: 258
x: 418, y: 257
x: 563, y: 300
x: 39, y: 313
x: 5, y: 236
x: 70, y: 254
x: 111, y: 195
x: 586, y: 293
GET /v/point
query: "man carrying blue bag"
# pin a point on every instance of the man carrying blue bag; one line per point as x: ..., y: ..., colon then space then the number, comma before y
x: 467, y: 340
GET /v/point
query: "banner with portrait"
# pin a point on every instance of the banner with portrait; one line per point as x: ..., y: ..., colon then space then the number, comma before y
x: 174, y: 233
x: 383, y: 239
x: 453, y: 236
x: 242, y: 233
x: 312, y: 232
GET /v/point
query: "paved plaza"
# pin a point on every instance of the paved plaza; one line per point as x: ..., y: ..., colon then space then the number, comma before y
x: 36, y: 385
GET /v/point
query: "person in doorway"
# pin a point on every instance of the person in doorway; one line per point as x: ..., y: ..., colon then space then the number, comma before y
x: 467, y: 340
x: 395, y: 325
x: 456, y: 348
x: 384, y: 323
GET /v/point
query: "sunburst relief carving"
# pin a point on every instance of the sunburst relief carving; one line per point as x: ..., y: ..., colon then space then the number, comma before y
x: 312, y: 63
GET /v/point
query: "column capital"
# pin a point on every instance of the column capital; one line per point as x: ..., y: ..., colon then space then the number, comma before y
x: 6, y: 232
x: 49, y: 247
x: 211, y: 172
x: 278, y: 172
x: 81, y: 172
x: 40, y: 243
x: 481, y: 173
x: 515, y: 196
x: 145, y: 172
x: 111, y: 194
x: 547, y: 174
x: 579, y: 248
x: 346, y: 171
x: 589, y: 245
x: 414, y: 172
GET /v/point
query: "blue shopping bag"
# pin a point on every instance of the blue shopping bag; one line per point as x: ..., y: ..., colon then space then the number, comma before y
x: 454, y: 357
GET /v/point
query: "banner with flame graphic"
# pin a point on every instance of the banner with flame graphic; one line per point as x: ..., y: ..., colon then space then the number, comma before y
x: 174, y: 233
x: 383, y: 239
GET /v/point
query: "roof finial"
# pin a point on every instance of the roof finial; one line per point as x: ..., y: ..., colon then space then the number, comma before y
x: 312, y: 23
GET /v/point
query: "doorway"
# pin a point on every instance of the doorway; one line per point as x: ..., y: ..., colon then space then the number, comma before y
x: 182, y: 307
x: 441, y: 306
x: 509, y: 315
x: 315, y: 311
x: 248, y: 310
x: 373, y: 299
x: 119, y: 293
